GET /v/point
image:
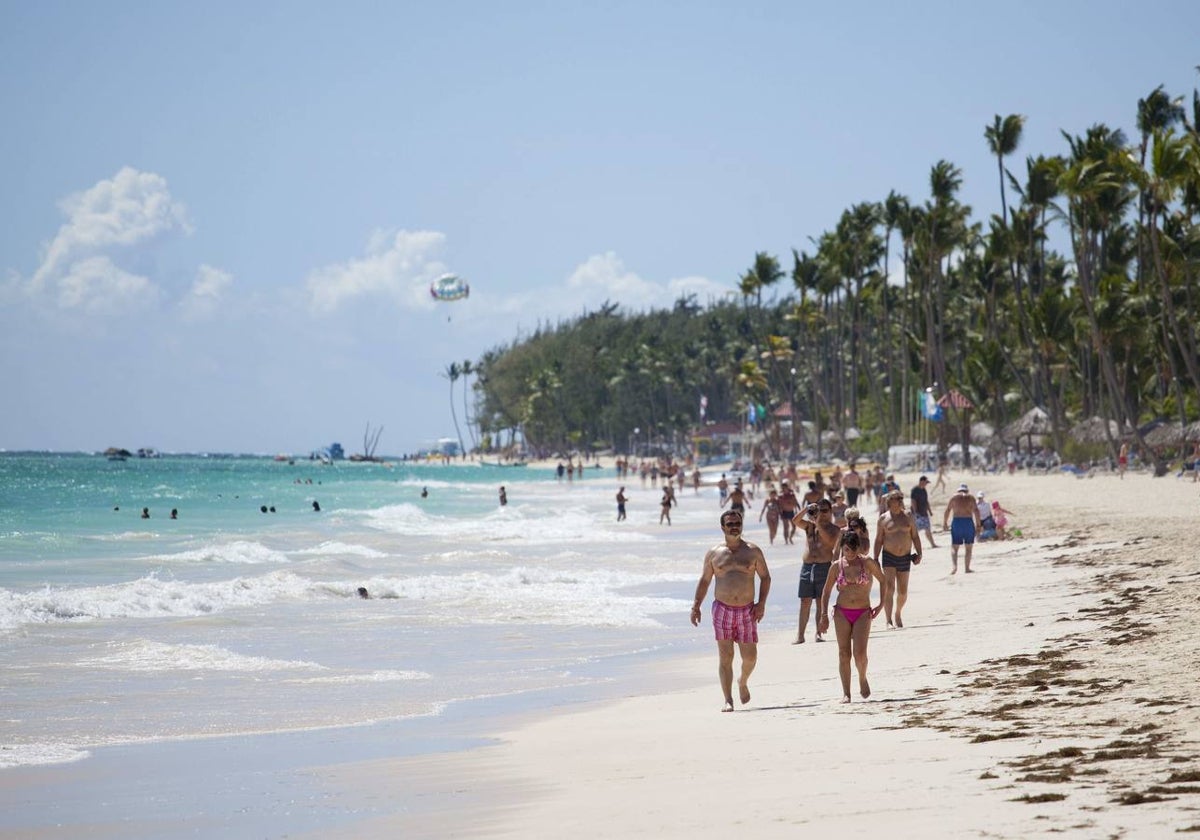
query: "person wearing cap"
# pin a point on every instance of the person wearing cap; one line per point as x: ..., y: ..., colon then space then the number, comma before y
x: 733, y: 565
x: 987, y: 525
x: 922, y: 511
x: 966, y: 523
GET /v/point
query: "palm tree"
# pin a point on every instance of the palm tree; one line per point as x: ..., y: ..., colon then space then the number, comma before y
x: 1003, y: 136
x: 452, y: 373
x: 467, y: 370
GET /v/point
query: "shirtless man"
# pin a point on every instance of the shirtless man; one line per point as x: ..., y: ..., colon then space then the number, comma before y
x: 734, y: 563
x: 723, y: 488
x: 621, y: 500
x: 736, y: 499
x: 852, y: 484
x: 821, y: 539
x: 897, y: 539
x: 966, y: 523
x: 789, y: 506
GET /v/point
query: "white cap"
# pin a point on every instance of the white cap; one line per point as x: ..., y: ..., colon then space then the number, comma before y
x: 962, y: 488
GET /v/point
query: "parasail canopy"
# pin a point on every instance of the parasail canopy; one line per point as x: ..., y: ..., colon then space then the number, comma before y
x: 449, y: 287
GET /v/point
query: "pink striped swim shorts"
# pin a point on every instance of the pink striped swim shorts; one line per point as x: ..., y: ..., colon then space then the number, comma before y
x: 734, y: 623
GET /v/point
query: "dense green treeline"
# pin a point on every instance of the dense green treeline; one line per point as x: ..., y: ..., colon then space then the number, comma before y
x: 988, y: 308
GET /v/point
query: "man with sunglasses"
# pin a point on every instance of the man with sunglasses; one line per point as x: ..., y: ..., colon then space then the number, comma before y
x: 821, y: 538
x: 733, y: 565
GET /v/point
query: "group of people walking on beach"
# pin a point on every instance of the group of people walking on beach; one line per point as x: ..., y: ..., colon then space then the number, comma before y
x: 840, y: 567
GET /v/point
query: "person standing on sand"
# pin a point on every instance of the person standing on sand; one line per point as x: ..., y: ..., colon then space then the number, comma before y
x: 621, y: 500
x: 821, y: 539
x: 897, y: 539
x: 853, y: 611
x: 852, y: 484
x: 666, y: 507
x: 771, y: 509
x: 789, y: 506
x: 1122, y: 460
x: 736, y: 499
x: 966, y: 523
x: 734, y: 565
x: 922, y: 510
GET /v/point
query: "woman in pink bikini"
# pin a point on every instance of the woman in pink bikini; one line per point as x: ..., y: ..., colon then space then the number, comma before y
x: 852, y: 574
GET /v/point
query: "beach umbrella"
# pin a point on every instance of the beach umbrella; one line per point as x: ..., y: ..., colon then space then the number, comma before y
x: 1191, y: 432
x: 1092, y: 429
x: 1036, y: 421
x: 982, y: 432
x: 1163, y: 434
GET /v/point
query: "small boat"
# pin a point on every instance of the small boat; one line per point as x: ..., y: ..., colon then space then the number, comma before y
x: 503, y: 463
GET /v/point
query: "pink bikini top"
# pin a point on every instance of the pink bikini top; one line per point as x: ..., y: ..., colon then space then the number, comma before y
x: 863, y: 578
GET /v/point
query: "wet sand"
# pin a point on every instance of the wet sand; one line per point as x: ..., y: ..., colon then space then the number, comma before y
x: 1054, y: 690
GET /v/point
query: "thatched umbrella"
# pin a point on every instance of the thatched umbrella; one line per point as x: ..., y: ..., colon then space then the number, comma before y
x: 982, y: 432
x: 1164, y: 434
x: 1092, y: 430
x: 1033, y: 422
x: 1191, y: 432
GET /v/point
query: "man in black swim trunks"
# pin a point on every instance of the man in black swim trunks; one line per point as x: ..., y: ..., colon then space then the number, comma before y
x: 789, y: 506
x: 736, y: 499
x: 821, y: 538
x: 897, y: 539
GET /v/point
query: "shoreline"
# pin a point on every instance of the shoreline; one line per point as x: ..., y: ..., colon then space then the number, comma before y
x: 1038, y: 710
x: 1055, y: 646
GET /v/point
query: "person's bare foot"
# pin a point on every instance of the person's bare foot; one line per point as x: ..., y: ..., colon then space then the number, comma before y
x: 728, y: 707
x: 799, y: 640
x: 744, y: 693
x: 968, y: 570
x: 864, y: 688
x: 899, y: 622
x: 954, y: 569
x: 820, y: 638
x: 846, y: 699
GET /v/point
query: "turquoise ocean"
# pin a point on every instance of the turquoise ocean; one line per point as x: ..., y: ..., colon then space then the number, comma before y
x: 227, y: 622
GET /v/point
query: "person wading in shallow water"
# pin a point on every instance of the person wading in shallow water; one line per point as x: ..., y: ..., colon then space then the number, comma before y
x: 734, y: 564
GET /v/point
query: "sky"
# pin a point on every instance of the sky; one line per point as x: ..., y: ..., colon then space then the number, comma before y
x: 221, y: 219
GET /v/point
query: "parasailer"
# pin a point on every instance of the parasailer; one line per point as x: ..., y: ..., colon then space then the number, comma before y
x: 449, y: 287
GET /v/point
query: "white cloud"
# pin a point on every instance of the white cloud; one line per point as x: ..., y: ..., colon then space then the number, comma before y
x: 130, y: 208
x: 96, y: 286
x: 604, y: 277
x: 397, y: 265
x: 207, y: 292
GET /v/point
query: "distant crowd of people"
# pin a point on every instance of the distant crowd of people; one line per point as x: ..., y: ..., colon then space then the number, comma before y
x: 841, y: 564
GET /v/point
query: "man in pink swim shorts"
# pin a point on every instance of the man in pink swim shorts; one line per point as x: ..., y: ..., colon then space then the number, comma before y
x: 734, y: 564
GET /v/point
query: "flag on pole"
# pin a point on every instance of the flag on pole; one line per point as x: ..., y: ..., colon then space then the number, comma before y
x: 929, y: 406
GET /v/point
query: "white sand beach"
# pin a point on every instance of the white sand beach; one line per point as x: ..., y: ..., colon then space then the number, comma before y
x: 1051, y: 691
